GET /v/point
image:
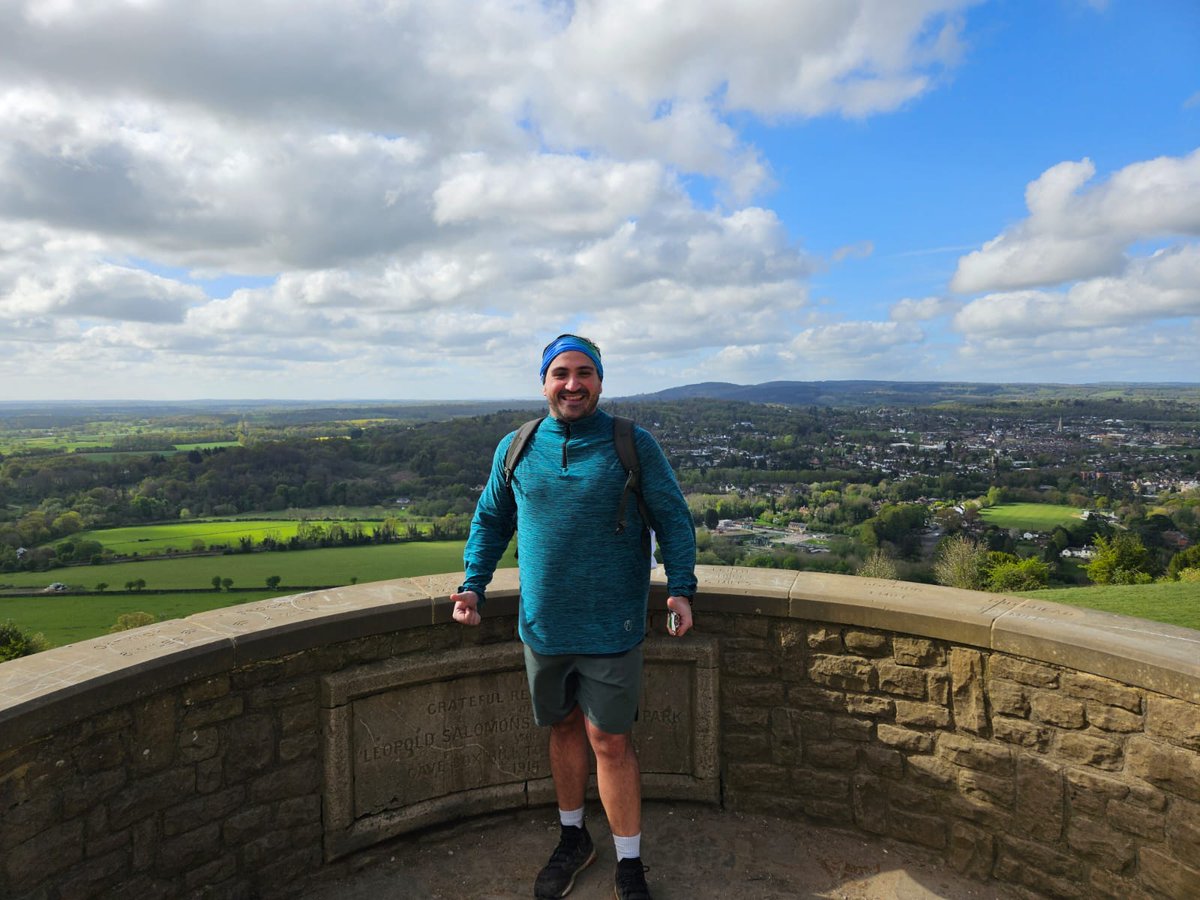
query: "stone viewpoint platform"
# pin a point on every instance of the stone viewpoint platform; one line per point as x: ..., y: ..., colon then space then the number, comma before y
x: 997, y: 746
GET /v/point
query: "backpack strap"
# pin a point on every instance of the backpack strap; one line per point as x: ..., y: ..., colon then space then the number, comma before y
x: 517, y: 447
x: 627, y: 453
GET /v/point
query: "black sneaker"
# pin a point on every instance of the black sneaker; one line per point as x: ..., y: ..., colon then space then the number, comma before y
x: 573, y: 854
x: 631, y: 880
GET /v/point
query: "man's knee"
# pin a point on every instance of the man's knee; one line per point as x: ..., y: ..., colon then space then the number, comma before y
x: 609, y: 746
x: 570, y: 723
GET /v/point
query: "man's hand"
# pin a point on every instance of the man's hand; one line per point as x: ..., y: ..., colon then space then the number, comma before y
x: 466, y: 610
x: 684, y: 608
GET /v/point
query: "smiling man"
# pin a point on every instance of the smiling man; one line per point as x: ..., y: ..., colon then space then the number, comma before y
x: 584, y: 589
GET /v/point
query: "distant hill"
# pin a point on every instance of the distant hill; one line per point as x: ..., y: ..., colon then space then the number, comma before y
x: 917, y: 393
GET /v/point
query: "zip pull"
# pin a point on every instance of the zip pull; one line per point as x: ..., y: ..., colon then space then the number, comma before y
x: 564, y: 447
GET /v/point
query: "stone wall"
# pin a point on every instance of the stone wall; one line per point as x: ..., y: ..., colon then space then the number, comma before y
x: 1047, y: 747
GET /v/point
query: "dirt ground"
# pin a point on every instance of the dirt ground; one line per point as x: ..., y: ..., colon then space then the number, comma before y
x: 694, y: 852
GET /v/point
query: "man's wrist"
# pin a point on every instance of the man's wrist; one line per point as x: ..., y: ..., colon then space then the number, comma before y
x: 478, y: 592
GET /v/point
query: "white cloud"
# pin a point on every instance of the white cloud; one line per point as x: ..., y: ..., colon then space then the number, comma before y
x: 923, y: 310
x: 1076, y: 231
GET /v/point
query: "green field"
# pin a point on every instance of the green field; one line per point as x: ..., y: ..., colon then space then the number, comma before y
x: 66, y: 618
x: 144, y: 539
x: 1030, y: 516
x: 1174, y: 602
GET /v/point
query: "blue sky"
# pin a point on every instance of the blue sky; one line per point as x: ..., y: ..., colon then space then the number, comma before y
x: 348, y: 199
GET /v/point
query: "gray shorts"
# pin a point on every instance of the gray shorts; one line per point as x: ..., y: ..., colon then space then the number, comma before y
x: 606, y: 688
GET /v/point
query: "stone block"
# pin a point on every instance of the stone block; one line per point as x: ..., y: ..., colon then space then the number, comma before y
x: 1008, y: 698
x: 867, y: 643
x: 43, y: 856
x: 1097, y: 841
x: 1090, y: 792
x: 847, y: 673
x: 909, y: 651
x: 757, y: 776
x: 984, y: 789
x: 915, y: 828
x: 196, y: 744
x: 1173, y: 721
x: 906, y: 681
x: 1041, y: 799
x: 286, y: 693
x: 23, y: 821
x: 851, y: 728
x: 1023, y: 671
x: 870, y: 804
x: 1105, y: 885
x: 1171, y: 768
x: 1041, y: 858
x: 298, y: 811
x: 204, y: 690
x: 86, y: 791
x: 739, y: 692
x: 149, y: 795
x: 867, y: 705
x: 1112, y: 718
x: 1055, y: 709
x: 824, y: 639
x: 103, y: 751
x: 914, y: 798
x: 181, y: 854
x: 976, y: 754
x: 904, y: 738
x: 250, y: 746
x: 745, y: 716
x: 205, y: 880
x: 882, y: 760
x: 757, y: 745
x: 937, y: 687
x: 298, y: 746
x: 1133, y: 819
x: 202, y: 810
x: 1183, y: 832
x: 932, y: 771
x: 1169, y: 877
x: 1022, y: 733
x: 972, y: 850
x: 220, y: 710
x: 1089, y: 750
x: 831, y: 754
x: 287, y: 781
x: 745, y: 664
x: 210, y: 775
x: 243, y: 825
x: 1103, y: 690
x: 299, y: 718
x: 921, y: 715
x: 93, y: 877
x: 815, y: 724
x: 152, y: 742
x: 967, y: 690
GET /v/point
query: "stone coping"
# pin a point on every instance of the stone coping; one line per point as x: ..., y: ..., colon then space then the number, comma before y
x: 47, y: 691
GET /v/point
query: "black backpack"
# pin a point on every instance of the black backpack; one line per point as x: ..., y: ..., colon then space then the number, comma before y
x: 626, y: 452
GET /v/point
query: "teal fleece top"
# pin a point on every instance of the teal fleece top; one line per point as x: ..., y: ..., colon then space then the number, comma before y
x: 584, y: 588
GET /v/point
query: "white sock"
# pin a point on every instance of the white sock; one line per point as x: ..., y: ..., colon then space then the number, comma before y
x: 628, y: 847
x: 571, y: 817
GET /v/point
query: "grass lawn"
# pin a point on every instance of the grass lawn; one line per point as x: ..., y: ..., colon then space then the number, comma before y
x: 67, y: 618
x: 180, y: 535
x: 1175, y: 602
x: 1029, y: 516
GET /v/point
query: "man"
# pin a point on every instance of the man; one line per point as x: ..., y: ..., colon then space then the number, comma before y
x: 584, y: 589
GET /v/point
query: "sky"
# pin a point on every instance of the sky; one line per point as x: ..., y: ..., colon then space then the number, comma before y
x: 381, y: 199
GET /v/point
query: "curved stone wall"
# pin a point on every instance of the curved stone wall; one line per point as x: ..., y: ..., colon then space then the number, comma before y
x: 237, y: 751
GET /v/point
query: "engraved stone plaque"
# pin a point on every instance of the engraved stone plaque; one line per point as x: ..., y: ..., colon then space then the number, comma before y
x: 417, y: 741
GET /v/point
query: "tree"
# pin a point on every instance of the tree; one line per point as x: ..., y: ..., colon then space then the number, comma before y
x: 227, y: 583
x: 878, y: 565
x: 125, y: 621
x: 216, y: 582
x: 1008, y: 576
x: 140, y: 584
x: 102, y: 586
x: 1121, y: 559
x: 273, y: 581
x: 1184, y: 559
x: 15, y: 642
x: 960, y: 563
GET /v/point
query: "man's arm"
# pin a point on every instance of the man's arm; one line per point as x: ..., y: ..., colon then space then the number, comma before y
x: 672, y: 527
x: 492, y: 528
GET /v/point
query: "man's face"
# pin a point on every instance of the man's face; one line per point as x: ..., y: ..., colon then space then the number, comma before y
x: 572, y: 386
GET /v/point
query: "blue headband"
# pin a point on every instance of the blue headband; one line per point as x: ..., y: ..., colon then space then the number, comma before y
x: 566, y: 342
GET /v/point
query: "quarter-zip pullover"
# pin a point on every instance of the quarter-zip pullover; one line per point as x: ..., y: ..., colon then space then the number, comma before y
x: 584, y: 588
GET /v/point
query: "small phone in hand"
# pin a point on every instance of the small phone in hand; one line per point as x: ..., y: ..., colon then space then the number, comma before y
x: 673, y: 622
